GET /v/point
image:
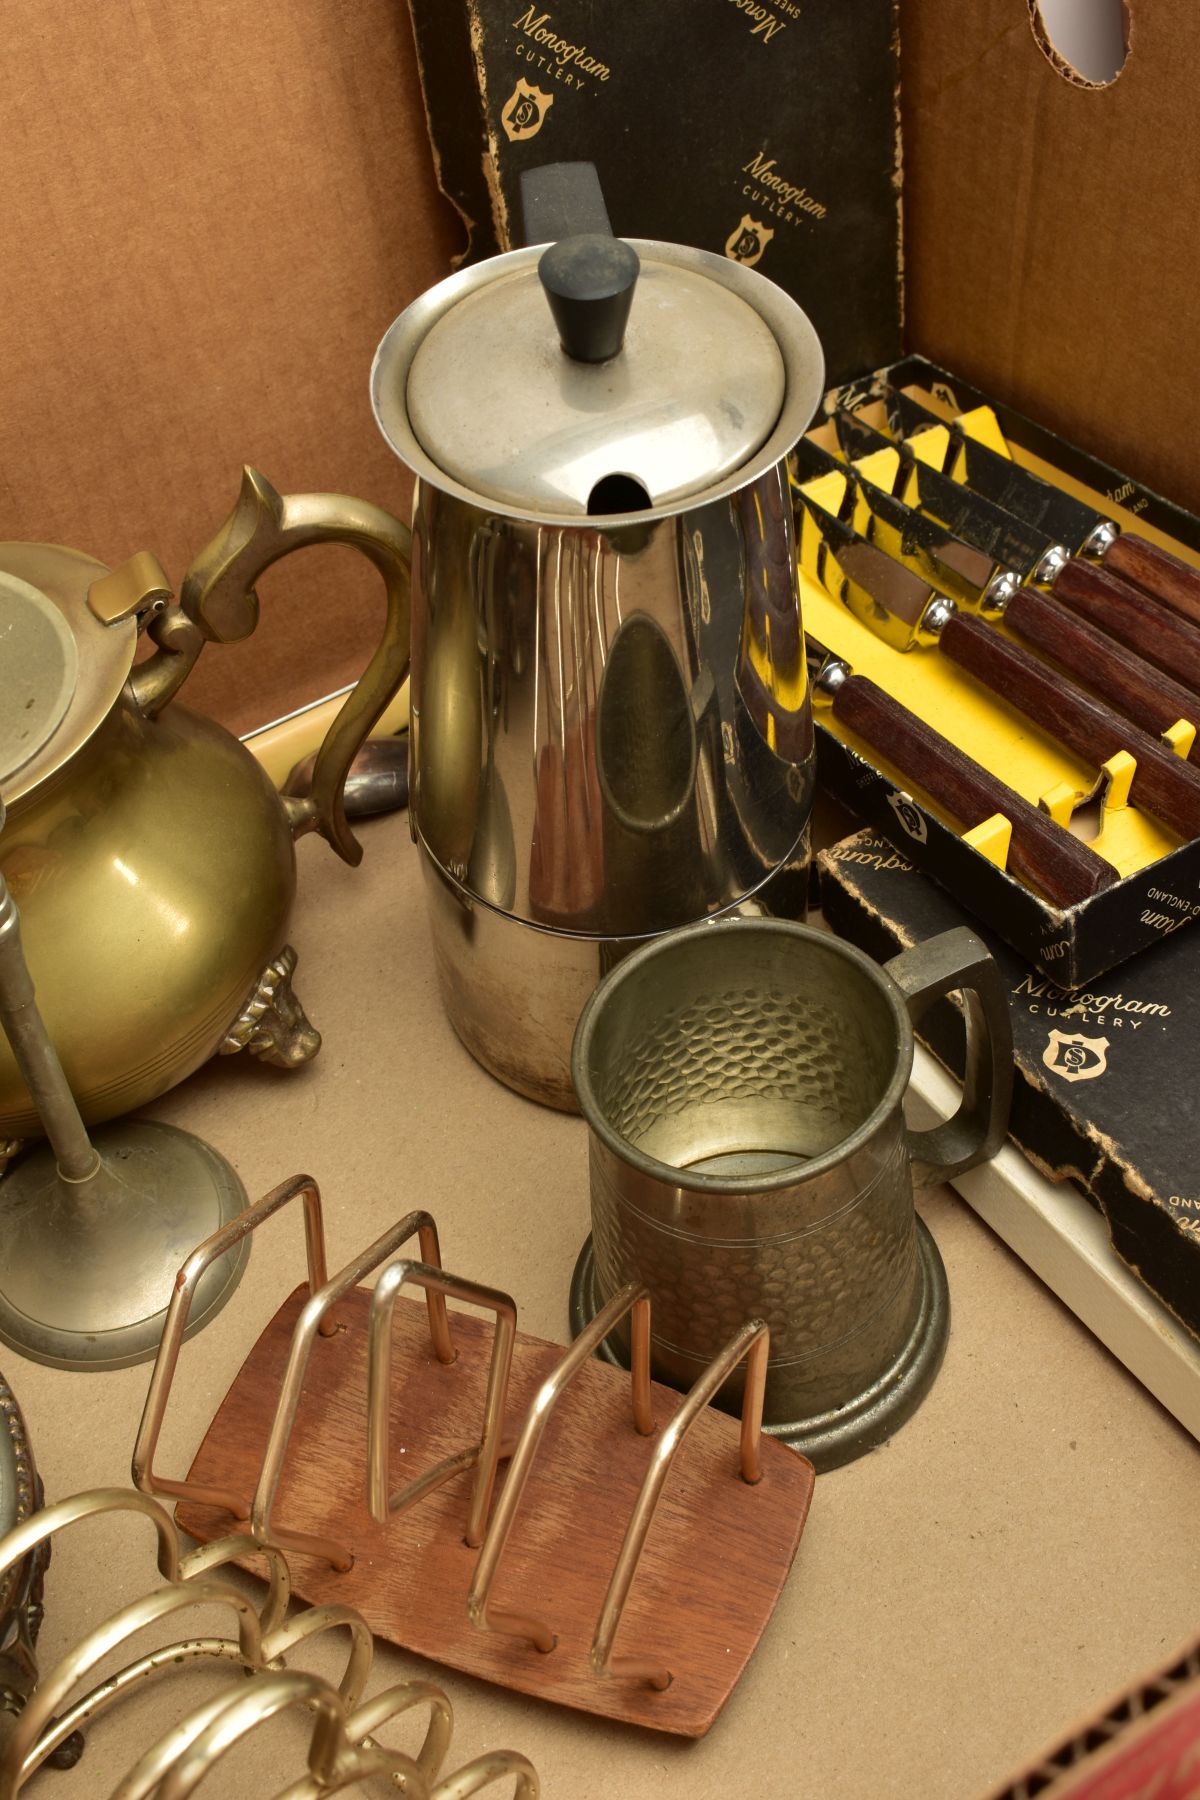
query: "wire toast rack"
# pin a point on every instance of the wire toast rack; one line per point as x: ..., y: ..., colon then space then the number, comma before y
x: 342, y: 1749
x: 525, y: 1577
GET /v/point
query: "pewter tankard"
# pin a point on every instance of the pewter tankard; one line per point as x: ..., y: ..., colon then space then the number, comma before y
x: 743, y: 1083
x: 611, y: 734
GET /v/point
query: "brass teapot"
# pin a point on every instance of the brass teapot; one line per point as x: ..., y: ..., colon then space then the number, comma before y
x: 150, y: 856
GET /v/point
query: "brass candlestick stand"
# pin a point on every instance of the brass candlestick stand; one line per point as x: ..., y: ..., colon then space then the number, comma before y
x: 94, y: 1229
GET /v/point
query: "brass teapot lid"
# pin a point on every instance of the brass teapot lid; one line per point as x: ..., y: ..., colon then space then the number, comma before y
x: 41, y: 667
x: 62, y: 664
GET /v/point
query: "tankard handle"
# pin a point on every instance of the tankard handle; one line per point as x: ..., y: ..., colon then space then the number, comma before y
x: 218, y: 604
x: 959, y: 960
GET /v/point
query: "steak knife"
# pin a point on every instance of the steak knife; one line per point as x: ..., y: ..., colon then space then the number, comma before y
x: 881, y: 592
x: 1072, y: 523
x: 1149, y: 566
x: 927, y: 546
x: 1044, y: 855
x: 1109, y: 602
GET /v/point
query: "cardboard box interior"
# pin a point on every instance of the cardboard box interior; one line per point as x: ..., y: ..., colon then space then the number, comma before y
x: 1046, y: 258
x: 212, y: 214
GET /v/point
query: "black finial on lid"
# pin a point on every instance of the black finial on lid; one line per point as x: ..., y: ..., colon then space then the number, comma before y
x: 588, y: 274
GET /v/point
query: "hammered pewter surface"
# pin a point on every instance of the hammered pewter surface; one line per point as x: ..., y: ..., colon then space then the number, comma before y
x: 779, y: 1052
x: 740, y: 1041
x: 826, y: 1435
x: 836, y: 1290
x: 751, y: 1159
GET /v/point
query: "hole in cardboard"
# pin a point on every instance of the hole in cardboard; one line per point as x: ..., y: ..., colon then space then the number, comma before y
x: 1086, y: 41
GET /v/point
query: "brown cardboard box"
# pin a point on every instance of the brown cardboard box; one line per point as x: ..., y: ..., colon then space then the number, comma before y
x: 212, y: 212
x: 1144, y: 1745
x: 1049, y: 256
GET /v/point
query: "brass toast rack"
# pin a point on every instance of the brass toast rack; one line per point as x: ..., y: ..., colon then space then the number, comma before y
x: 342, y: 1747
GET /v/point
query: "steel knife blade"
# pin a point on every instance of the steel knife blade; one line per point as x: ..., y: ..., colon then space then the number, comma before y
x: 1082, y: 529
x: 1108, y: 601
x: 1058, y: 515
x: 1133, y: 686
x: 888, y: 598
x: 949, y: 562
x: 1012, y: 543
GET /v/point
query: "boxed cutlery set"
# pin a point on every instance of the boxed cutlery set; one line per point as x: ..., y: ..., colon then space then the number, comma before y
x: 684, y: 541
x: 953, y: 583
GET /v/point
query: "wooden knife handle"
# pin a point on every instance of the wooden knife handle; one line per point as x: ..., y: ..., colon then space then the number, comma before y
x: 1129, y: 683
x: 1157, y: 572
x: 1133, y: 617
x: 1042, y: 853
x: 1164, y: 784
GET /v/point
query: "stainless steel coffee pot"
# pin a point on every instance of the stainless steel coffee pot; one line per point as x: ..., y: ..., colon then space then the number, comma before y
x: 611, y: 733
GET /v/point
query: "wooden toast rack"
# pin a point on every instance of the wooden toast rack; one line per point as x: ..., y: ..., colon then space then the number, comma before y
x: 526, y: 1577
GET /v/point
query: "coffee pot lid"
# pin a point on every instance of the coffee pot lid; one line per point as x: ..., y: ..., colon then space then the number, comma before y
x: 62, y: 667
x: 502, y: 408
x: 590, y: 376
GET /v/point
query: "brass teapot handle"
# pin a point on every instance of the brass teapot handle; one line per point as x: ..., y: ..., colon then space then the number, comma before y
x: 218, y: 604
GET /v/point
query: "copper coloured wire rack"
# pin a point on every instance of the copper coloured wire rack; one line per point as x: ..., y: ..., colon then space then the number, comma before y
x: 563, y: 1528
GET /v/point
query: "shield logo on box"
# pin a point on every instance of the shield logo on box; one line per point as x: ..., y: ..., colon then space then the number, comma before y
x: 909, y: 816
x: 525, y: 111
x: 1075, y: 1057
x: 747, y: 241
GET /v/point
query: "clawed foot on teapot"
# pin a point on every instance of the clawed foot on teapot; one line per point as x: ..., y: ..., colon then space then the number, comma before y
x: 273, y: 1025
